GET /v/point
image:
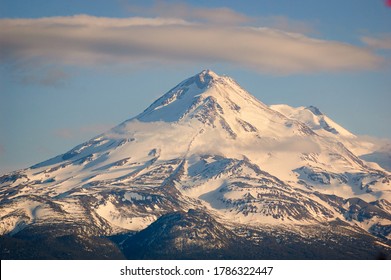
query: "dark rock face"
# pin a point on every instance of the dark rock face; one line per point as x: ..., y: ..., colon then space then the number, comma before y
x: 50, y: 243
x: 183, y: 235
x: 196, y: 235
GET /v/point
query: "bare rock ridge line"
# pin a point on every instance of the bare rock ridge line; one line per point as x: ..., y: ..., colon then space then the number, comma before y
x: 215, y: 167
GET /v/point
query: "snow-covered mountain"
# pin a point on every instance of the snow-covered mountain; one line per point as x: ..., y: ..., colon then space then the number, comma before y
x: 241, y: 170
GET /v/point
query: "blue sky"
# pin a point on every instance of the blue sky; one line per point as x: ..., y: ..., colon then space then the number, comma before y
x: 72, y: 69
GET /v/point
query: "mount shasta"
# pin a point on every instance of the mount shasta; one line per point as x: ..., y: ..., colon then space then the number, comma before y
x: 206, y: 171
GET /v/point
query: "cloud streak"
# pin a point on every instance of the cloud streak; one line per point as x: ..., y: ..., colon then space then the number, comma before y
x: 86, y: 40
x: 87, y: 131
x: 287, y: 24
x: 52, y: 76
x: 220, y: 15
x: 379, y: 42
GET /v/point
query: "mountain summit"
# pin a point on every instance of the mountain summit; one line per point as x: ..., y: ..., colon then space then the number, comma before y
x: 208, y: 161
x: 200, y: 96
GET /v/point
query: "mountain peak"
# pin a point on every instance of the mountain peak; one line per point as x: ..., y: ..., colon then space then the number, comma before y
x: 208, y: 74
x: 203, y: 80
x: 314, y: 118
x: 314, y: 110
x: 207, y: 96
x: 201, y: 92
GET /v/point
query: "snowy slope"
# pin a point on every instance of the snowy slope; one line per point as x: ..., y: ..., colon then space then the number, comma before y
x: 324, y: 126
x: 206, y: 144
x: 315, y: 119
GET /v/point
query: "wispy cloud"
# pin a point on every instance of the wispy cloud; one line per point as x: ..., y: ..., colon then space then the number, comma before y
x: 381, y: 151
x: 287, y: 24
x: 87, y: 40
x: 379, y: 42
x: 52, y: 76
x: 64, y: 133
x: 379, y: 144
x: 220, y: 15
x: 182, y: 10
x: 83, y: 131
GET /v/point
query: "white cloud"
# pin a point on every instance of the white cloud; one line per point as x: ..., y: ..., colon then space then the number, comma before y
x: 379, y: 42
x: 381, y: 151
x: 379, y: 144
x: 87, y: 40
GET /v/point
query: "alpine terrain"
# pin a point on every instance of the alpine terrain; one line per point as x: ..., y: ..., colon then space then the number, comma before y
x: 205, y: 172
